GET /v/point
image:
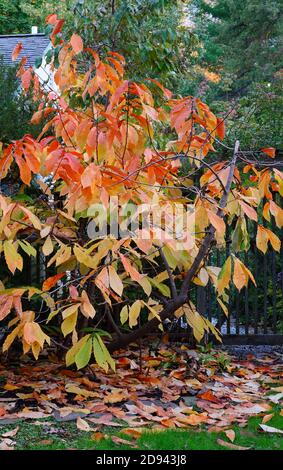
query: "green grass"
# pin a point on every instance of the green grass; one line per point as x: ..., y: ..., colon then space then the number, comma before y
x: 67, y: 436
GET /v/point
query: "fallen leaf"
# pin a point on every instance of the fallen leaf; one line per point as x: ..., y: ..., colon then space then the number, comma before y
x: 270, y: 429
x: 83, y: 425
x: 71, y: 388
x: 267, y: 418
x: 135, y: 433
x: 208, y: 396
x: 276, y: 398
x: 116, y: 396
x: 98, y: 436
x: 192, y: 419
x: 118, y: 440
x: 11, y: 433
x: 46, y: 442
x: 229, y: 445
x: 5, y: 446
x: 11, y: 387
x: 277, y: 389
x: 230, y: 433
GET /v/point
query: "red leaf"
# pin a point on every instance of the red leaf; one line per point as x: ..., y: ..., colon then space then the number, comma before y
x: 17, y: 49
x: 51, y: 281
x: 220, y: 130
x: 77, y: 43
x: 270, y: 151
x: 51, y: 19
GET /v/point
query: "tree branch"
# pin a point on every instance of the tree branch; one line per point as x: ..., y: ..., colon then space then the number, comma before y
x: 181, y: 299
x: 170, y: 274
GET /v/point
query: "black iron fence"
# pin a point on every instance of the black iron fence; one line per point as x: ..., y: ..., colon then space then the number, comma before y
x: 256, y: 312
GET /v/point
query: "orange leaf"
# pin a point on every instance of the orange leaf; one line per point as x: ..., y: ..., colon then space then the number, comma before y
x: 267, y: 418
x: 98, y: 436
x: 220, y: 130
x: 270, y: 151
x: 51, y: 281
x: 192, y: 420
x: 52, y: 19
x: 208, y: 396
x: 135, y: 433
x: 77, y: 43
x: 217, y: 222
x: 249, y: 211
x: 16, y: 51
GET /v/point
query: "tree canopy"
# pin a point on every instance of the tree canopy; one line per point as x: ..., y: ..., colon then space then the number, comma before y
x: 99, y: 141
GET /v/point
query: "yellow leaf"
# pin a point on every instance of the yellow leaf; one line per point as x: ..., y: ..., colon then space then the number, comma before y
x: 145, y: 284
x: 69, y: 323
x: 261, y: 239
x: 70, y: 310
x: 224, y: 276
x: 75, y: 389
x: 248, y: 273
x: 47, y: 247
x: 32, y: 217
x: 11, y: 337
x: 124, y: 314
x: 115, y: 281
x: 13, y: 259
x: 195, y: 321
x: 134, y: 313
x: 274, y: 240
x: 223, y: 306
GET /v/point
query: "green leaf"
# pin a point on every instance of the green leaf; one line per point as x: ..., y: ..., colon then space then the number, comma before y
x: 28, y: 249
x: 83, y: 356
x: 101, y: 354
x: 98, y: 354
x: 71, y: 354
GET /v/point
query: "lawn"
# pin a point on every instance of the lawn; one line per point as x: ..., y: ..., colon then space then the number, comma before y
x: 54, y: 436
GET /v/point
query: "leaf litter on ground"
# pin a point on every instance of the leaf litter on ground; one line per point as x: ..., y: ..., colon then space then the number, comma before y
x: 171, y: 388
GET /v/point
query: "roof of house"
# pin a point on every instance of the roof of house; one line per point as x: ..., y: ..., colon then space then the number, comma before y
x: 34, y: 46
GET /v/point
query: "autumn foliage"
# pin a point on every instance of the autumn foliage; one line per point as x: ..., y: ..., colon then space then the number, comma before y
x: 101, y: 138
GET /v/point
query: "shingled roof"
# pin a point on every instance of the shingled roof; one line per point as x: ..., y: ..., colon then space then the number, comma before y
x: 34, y: 46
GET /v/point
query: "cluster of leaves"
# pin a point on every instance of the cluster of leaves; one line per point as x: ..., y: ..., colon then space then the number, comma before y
x: 99, y: 141
x: 151, y: 34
